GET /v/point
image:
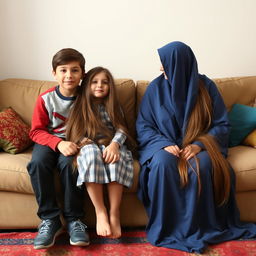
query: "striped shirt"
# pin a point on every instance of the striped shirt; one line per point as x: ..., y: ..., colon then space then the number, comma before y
x: 48, y: 120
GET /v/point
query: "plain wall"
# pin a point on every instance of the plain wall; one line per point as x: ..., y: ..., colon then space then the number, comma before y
x: 123, y: 35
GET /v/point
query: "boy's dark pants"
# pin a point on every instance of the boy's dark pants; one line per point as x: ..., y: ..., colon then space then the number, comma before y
x: 41, y: 169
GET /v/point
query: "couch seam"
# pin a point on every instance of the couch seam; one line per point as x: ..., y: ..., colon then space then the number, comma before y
x: 4, y: 169
x: 246, y: 170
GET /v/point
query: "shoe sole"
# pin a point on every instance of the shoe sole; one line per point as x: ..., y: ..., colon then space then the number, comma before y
x: 60, y: 231
x: 79, y: 243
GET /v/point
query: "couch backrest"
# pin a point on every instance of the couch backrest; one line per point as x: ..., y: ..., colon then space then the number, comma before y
x: 21, y: 95
x: 240, y: 90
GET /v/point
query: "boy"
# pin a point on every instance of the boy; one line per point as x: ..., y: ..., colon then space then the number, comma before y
x: 51, y: 151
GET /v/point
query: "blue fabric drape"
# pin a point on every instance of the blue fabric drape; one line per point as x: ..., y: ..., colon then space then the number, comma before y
x: 178, y: 217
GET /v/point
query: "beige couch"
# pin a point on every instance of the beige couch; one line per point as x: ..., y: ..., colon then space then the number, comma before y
x: 18, y: 206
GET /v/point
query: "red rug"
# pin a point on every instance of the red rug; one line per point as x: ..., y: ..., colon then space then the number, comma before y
x: 132, y: 243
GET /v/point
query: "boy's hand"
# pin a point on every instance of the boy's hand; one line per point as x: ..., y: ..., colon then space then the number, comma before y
x: 190, y: 151
x: 67, y: 148
x: 111, y: 153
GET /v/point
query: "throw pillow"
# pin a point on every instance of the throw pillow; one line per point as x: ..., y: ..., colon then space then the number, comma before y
x: 243, y: 121
x: 250, y: 140
x: 14, y: 133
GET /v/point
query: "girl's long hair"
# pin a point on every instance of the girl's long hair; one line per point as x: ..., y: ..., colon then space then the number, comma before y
x: 84, y: 119
x: 198, y: 125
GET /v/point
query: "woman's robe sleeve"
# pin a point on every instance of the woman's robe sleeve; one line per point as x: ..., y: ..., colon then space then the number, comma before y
x: 149, y: 136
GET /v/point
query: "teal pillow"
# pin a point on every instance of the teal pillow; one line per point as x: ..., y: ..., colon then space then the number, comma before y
x: 242, y: 120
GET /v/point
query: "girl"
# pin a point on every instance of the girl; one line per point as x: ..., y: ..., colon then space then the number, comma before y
x: 97, y: 125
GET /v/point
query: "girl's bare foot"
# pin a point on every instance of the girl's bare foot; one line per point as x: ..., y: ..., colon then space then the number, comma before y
x: 115, y: 226
x: 102, y: 226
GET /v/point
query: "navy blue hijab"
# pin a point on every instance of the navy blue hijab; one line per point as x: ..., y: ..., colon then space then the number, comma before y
x: 167, y: 103
x: 180, y: 66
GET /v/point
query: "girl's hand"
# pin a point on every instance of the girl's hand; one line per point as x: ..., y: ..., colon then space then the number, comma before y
x: 190, y: 151
x: 111, y: 153
x: 175, y: 150
x: 67, y: 148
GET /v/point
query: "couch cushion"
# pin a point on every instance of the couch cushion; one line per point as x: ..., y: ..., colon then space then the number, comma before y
x: 13, y: 172
x: 14, y: 133
x: 141, y: 87
x: 126, y: 94
x: 240, y: 90
x: 250, y: 140
x: 136, y: 173
x: 243, y: 161
x: 20, y: 94
x: 242, y: 119
x: 14, y: 175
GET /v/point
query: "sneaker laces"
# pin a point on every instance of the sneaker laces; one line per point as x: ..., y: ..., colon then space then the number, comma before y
x: 79, y: 226
x: 44, y: 228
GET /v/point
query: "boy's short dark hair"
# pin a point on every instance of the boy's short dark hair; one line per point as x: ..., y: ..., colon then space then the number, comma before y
x: 68, y: 55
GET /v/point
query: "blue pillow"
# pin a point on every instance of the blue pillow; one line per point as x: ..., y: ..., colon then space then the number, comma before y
x: 242, y: 120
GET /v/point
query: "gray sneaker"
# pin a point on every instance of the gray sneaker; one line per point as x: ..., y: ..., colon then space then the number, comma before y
x: 78, y: 234
x: 48, y: 230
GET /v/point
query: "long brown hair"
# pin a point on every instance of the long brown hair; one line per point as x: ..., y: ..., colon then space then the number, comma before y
x: 84, y: 119
x: 198, y: 125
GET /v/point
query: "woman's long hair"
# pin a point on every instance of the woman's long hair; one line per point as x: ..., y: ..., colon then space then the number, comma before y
x: 198, y: 126
x: 84, y: 118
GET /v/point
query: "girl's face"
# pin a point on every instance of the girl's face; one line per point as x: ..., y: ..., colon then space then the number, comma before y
x: 100, y: 86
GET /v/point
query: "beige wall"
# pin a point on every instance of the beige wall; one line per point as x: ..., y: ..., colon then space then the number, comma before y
x: 123, y: 35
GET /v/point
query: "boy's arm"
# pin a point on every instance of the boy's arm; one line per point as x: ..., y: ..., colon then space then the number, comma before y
x: 39, y: 127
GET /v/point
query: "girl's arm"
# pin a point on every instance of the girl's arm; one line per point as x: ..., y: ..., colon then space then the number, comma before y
x: 111, y: 153
x: 119, y: 137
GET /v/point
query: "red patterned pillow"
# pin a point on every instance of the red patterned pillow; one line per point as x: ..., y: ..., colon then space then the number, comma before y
x: 13, y: 132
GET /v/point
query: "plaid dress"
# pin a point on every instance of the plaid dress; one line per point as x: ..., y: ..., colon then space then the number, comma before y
x: 90, y: 164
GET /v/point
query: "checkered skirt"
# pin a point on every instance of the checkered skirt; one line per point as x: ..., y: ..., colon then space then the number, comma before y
x: 91, y: 167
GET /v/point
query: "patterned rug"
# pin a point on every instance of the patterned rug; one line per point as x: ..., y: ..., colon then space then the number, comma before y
x: 132, y: 243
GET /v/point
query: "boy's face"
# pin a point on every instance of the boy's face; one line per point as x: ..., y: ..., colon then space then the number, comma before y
x: 68, y: 77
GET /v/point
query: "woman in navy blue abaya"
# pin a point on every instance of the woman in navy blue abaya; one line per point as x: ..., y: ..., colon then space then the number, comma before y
x: 186, y: 184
